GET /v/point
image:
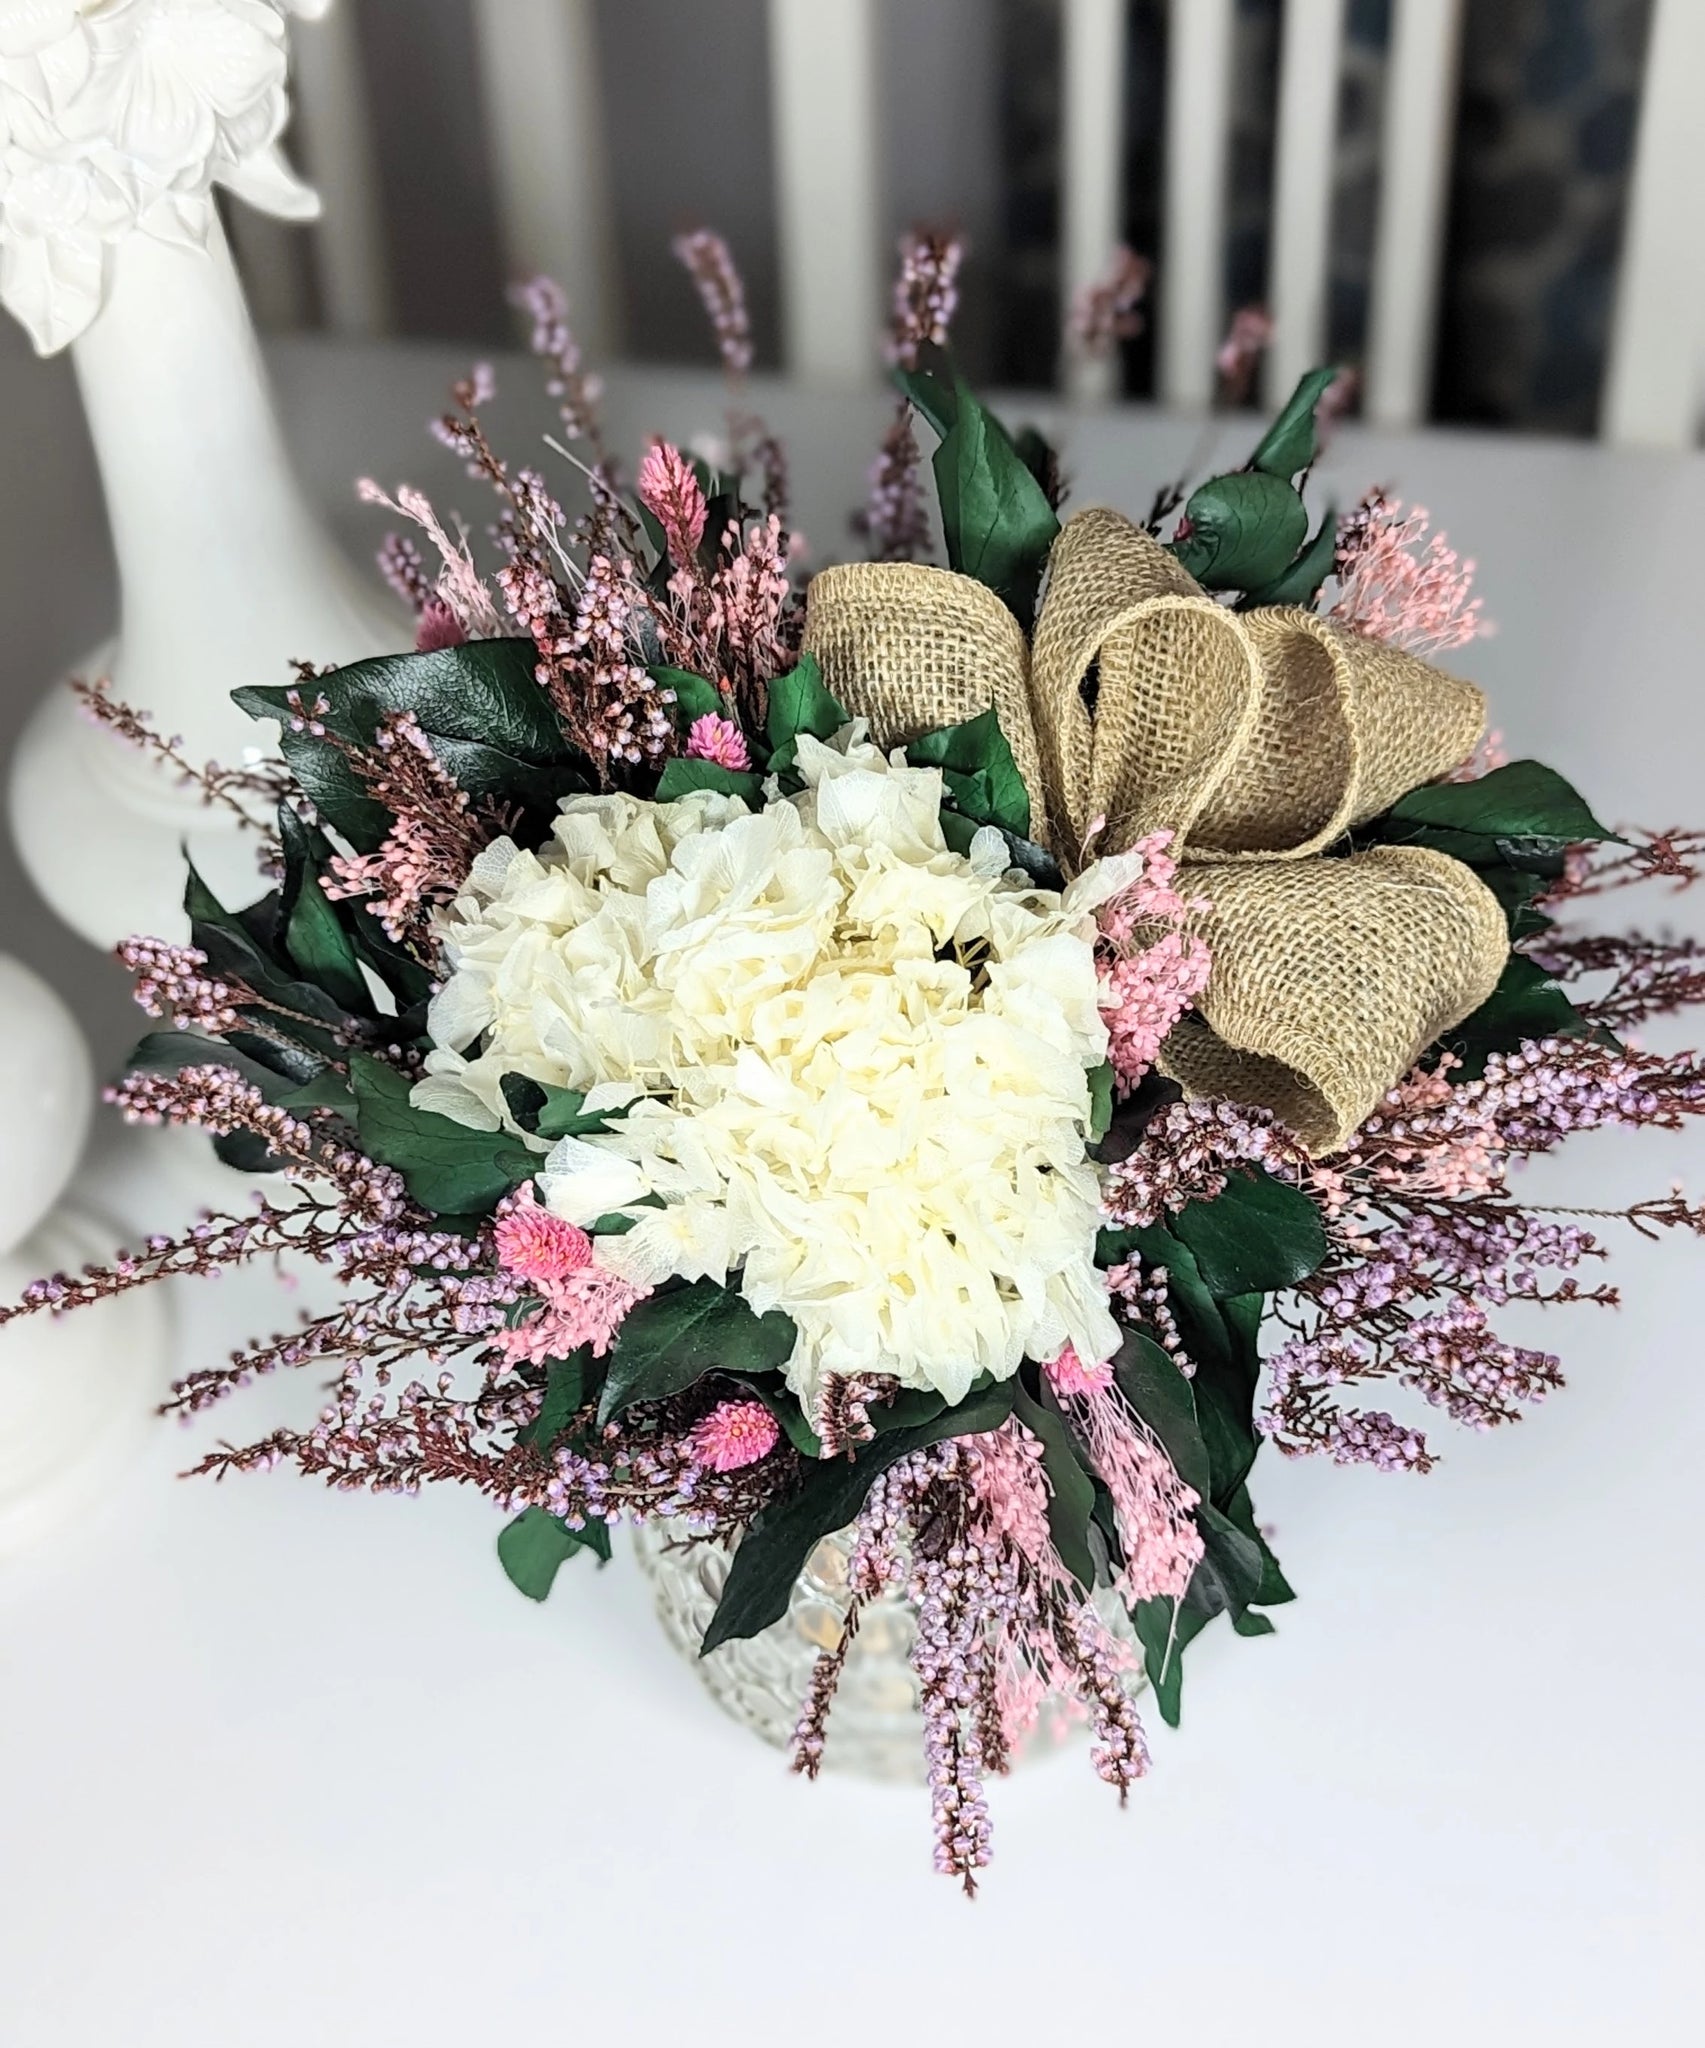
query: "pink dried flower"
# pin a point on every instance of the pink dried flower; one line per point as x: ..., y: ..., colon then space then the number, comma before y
x: 1400, y: 583
x: 670, y: 492
x: 437, y: 626
x: 1145, y: 989
x: 719, y: 740
x: 587, y: 1306
x: 747, y: 596
x: 1239, y: 355
x: 1068, y: 1374
x: 535, y: 1245
x: 926, y: 294
x: 710, y: 264
x: 1109, y: 311
x: 735, y: 1434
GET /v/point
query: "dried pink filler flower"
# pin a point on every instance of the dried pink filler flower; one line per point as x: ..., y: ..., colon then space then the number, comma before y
x: 437, y: 626
x: 719, y: 740
x: 735, y: 1434
x: 1145, y: 989
x: 1239, y: 355
x: 670, y: 492
x: 1400, y: 583
x: 585, y: 1307
x: 1109, y: 311
x: 1068, y: 1374
x: 534, y: 1245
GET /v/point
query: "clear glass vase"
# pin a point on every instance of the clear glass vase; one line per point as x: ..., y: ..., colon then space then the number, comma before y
x: 875, y: 1729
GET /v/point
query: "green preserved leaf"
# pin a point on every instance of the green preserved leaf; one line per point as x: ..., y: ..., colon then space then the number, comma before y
x: 1300, y: 583
x: 1244, y: 530
x: 987, y: 785
x: 537, y: 1544
x: 1527, y: 1004
x: 682, y: 776
x: 1523, y: 801
x: 484, y: 691
x: 314, y: 937
x: 774, y: 1549
x: 798, y: 702
x: 995, y: 516
x: 1257, y: 1236
x: 669, y: 1341
x: 449, y: 1169
x: 1291, y: 442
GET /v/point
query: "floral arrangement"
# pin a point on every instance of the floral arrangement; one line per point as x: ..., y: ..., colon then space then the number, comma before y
x: 967, y: 1052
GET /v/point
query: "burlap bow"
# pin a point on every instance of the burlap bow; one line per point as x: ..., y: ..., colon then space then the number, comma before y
x: 1257, y: 739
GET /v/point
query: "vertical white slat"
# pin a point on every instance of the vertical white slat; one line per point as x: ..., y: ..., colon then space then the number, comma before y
x: 1198, y: 145
x: 545, y: 131
x: 337, y: 153
x: 1093, y: 140
x: 1420, y: 108
x: 826, y: 125
x: 1651, y: 396
x: 1309, y: 63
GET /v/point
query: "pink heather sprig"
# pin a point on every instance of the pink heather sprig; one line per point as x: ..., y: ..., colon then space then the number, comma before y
x: 552, y: 340
x: 1400, y: 583
x: 265, y: 784
x: 173, y: 981
x: 1110, y: 311
x: 710, y: 263
x: 437, y: 829
x: 895, y: 516
x: 749, y: 593
x: 670, y: 491
x: 926, y: 294
x: 711, y: 738
x: 1239, y: 356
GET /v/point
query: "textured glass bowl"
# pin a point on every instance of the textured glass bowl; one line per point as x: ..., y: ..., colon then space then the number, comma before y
x: 874, y: 1728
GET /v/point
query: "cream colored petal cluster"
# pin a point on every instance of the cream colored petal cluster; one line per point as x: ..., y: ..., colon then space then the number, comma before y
x: 860, y: 1061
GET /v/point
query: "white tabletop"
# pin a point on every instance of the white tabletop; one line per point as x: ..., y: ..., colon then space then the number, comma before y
x: 278, y: 1766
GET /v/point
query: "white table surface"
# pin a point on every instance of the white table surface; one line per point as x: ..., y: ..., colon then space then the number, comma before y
x: 284, y: 1767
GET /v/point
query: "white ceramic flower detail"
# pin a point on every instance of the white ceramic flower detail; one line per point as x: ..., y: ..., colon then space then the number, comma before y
x: 118, y: 117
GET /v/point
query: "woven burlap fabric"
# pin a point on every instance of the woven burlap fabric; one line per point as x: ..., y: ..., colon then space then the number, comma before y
x: 1256, y: 739
x: 1330, y: 977
x: 912, y: 649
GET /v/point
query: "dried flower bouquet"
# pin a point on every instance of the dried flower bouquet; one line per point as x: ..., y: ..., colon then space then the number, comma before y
x: 885, y: 1051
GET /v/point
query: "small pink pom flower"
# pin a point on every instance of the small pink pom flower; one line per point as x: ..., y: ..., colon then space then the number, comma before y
x: 1068, y: 1374
x: 534, y: 1245
x: 735, y: 1434
x: 437, y: 626
x: 720, y: 740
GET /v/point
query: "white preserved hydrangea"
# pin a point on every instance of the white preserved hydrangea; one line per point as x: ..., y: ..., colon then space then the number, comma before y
x: 856, y: 1062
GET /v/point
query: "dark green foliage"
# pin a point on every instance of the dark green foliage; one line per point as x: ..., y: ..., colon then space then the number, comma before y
x: 449, y: 1169
x: 773, y: 1551
x: 669, y: 1341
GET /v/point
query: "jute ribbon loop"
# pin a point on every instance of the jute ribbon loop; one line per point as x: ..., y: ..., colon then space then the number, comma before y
x: 1257, y: 739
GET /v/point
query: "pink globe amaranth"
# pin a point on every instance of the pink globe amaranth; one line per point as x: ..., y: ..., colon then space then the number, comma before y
x: 735, y: 1434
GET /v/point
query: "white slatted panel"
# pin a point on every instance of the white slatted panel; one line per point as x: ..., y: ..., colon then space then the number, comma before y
x: 337, y: 156
x: 1093, y: 133
x: 1302, y: 195
x: 539, y: 68
x: 1420, y: 109
x: 1198, y: 140
x: 1651, y: 395
x: 827, y: 137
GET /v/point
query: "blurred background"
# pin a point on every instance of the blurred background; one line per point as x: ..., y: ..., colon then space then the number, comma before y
x: 1538, y: 106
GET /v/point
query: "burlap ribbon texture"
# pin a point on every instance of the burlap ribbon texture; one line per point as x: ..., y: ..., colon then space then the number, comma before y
x: 1257, y: 739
